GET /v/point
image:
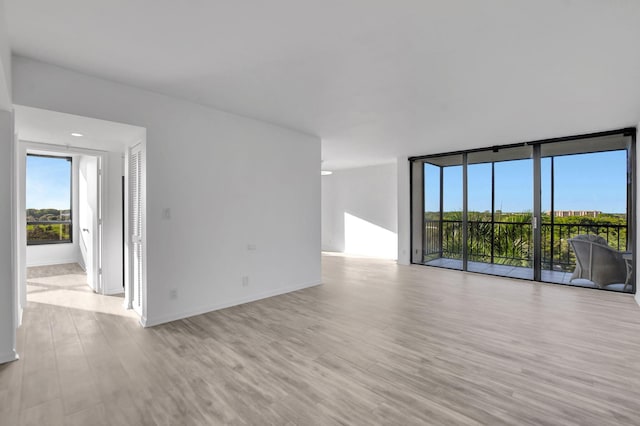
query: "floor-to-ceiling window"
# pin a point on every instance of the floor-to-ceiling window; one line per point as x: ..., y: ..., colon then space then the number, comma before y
x: 556, y: 211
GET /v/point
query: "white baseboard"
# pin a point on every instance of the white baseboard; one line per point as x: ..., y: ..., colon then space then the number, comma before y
x: 9, y: 356
x: 150, y: 322
x: 53, y: 262
x: 112, y: 292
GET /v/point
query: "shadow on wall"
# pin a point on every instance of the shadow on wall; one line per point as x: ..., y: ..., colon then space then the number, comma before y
x: 367, y: 239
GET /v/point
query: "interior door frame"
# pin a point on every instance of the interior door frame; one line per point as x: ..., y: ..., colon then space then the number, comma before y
x: 24, y: 148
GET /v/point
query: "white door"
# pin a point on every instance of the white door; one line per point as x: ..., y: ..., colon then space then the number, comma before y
x: 135, y: 226
x: 89, y: 218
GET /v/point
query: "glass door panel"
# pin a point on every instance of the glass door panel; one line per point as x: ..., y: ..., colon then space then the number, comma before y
x: 432, y: 226
x: 443, y: 236
x: 585, y: 238
x: 513, y: 241
x: 500, y: 205
x: 480, y: 215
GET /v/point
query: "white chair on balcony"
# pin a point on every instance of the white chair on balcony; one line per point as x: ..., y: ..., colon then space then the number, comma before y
x: 597, y: 262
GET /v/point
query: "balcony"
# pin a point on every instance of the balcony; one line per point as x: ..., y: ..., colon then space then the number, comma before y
x: 506, y: 248
x: 48, y: 232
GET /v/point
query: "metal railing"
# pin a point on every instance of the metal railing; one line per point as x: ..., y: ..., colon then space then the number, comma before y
x: 556, y: 250
x: 511, y: 243
x: 49, y: 232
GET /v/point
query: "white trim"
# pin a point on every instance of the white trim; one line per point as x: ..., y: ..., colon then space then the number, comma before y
x: 60, y: 149
x: 55, y: 262
x: 14, y: 218
x: 9, y: 356
x: 150, y: 322
x: 113, y: 292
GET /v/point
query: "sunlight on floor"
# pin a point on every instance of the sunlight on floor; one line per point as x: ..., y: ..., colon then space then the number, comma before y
x: 66, y: 286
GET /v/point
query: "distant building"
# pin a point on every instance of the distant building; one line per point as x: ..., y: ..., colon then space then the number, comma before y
x: 567, y: 213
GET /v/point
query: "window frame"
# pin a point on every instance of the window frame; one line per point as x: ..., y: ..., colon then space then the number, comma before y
x: 61, y: 222
x: 417, y: 189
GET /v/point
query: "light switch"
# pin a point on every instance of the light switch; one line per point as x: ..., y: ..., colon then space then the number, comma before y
x: 166, y: 213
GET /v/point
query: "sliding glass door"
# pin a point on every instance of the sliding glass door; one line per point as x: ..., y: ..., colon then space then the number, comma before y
x: 443, y: 196
x: 586, y: 195
x: 555, y: 211
x: 500, y: 212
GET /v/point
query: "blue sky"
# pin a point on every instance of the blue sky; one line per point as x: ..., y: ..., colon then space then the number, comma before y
x: 594, y: 181
x: 48, y: 183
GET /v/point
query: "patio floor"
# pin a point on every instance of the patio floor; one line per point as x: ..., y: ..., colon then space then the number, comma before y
x: 555, y: 277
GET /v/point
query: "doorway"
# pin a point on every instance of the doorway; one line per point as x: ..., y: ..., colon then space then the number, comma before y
x: 99, y: 156
x: 63, y: 198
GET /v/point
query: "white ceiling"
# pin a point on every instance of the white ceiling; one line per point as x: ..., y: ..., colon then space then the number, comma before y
x: 39, y: 125
x: 374, y: 79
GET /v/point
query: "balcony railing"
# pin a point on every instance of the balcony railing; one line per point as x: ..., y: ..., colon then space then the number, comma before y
x: 49, y: 232
x: 511, y: 243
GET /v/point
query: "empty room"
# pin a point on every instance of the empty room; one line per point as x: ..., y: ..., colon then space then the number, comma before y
x: 319, y: 213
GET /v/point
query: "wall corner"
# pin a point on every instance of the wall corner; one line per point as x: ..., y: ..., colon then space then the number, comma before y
x: 404, y: 219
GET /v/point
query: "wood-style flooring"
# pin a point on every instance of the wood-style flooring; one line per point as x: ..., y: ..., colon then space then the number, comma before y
x: 376, y: 344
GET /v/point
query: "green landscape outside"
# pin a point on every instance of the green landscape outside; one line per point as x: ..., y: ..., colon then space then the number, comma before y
x: 509, y: 240
x: 48, y: 199
x: 38, y: 230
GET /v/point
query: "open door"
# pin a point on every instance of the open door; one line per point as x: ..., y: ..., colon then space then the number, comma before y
x: 89, y: 218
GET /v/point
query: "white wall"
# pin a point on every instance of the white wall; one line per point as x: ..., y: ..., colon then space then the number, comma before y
x: 404, y: 211
x: 231, y: 183
x: 359, y: 211
x: 7, y: 290
x: 54, y: 254
x: 5, y: 63
x: 8, y: 318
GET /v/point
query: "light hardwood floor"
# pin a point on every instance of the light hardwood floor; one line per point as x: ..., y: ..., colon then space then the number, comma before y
x: 376, y: 344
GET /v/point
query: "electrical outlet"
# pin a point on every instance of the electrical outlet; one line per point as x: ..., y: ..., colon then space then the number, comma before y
x: 173, y: 294
x: 245, y: 281
x: 252, y: 247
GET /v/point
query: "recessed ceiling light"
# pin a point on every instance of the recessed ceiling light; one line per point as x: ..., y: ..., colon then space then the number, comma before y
x: 77, y: 135
x: 326, y: 172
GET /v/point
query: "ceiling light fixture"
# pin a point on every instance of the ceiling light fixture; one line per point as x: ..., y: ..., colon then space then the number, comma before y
x: 77, y: 135
x: 326, y: 172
